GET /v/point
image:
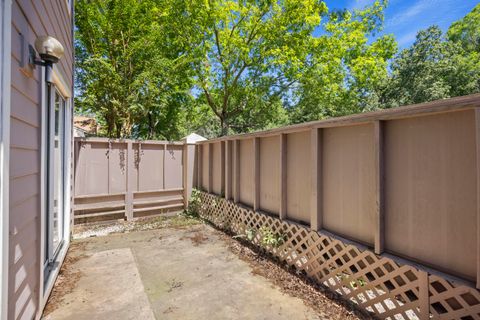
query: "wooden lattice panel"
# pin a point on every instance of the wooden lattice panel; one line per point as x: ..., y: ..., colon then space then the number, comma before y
x: 448, y: 301
x: 377, y: 284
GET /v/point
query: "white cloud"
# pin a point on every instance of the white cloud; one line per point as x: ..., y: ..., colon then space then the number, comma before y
x: 407, y: 39
x: 359, y: 4
x: 405, y: 16
x: 427, y: 11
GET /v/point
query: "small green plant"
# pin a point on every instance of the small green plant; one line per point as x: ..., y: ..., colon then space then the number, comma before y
x: 360, y: 282
x: 182, y: 220
x: 194, y: 205
x: 250, y: 234
x: 270, y: 238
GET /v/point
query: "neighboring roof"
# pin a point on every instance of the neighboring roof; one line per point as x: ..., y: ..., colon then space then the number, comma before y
x: 86, y: 124
x: 193, y: 137
x: 78, y: 132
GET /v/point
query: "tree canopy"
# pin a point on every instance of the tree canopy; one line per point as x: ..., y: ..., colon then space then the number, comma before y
x: 131, y: 72
x: 343, y: 67
x: 466, y: 31
x: 164, y: 68
x: 436, y: 66
x: 247, y: 56
x: 431, y: 69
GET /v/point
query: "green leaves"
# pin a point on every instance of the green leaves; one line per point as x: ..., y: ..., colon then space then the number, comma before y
x: 434, y: 67
x: 248, y: 55
x: 131, y: 72
x: 466, y: 31
x: 160, y: 68
x: 343, y: 68
x: 164, y: 68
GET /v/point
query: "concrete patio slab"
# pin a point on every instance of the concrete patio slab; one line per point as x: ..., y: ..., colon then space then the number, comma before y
x: 174, y: 273
x: 110, y: 288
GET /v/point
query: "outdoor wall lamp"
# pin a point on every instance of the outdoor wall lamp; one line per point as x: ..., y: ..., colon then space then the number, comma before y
x: 50, y: 51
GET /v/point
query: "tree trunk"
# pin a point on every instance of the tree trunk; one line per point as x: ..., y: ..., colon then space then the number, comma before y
x: 223, y: 127
x: 150, y: 126
x: 110, y: 119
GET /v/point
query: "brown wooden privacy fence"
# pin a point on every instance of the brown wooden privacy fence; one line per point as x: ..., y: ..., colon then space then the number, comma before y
x: 403, y: 182
x: 126, y: 179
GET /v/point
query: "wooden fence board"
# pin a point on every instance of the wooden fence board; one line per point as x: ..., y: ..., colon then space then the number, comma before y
x: 148, y: 176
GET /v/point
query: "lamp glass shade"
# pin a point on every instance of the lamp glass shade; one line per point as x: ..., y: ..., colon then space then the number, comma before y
x: 49, y: 48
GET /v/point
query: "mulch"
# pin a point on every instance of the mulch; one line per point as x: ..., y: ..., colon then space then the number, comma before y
x: 67, y: 278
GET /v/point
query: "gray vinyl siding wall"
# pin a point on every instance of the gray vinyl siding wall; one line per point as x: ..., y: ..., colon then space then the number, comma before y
x: 32, y: 18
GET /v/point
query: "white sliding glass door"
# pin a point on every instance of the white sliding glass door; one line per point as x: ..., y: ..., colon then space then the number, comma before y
x: 55, y: 174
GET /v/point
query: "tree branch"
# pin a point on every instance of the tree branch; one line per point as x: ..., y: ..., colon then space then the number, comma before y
x: 242, y: 69
x: 211, y: 103
x: 217, y: 42
x: 236, y: 24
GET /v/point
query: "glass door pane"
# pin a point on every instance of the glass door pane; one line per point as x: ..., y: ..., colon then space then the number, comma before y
x: 58, y: 186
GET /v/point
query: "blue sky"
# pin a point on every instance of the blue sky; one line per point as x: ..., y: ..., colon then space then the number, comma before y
x: 404, y: 18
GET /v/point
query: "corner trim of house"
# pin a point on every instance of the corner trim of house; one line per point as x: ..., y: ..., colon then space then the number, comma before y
x: 43, y: 139
x: 5, y: 80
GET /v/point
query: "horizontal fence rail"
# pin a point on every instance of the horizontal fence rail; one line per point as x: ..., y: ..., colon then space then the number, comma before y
x: 127, y: 179
x: 403, y: 182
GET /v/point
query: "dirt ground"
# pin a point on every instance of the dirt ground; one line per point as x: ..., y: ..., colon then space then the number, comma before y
x: 180, y: 268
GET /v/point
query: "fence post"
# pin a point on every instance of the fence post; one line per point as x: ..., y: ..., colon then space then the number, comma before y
x: 424, y: 293
x: 109, y: 166
x: 228, y: 170
x: 236, y: 171
x: 210, y: 167
x: 316, y: 196
x: 379, y: 187
x: 199, y: 165
x: 130, y: 181
x: 256, y: 174
x: 185, y: 175
x: 283, y: 176
x: 222, y: 168
x: 164, y: 158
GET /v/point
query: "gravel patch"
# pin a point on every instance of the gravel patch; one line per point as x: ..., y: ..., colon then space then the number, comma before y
x: 100, y: 230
